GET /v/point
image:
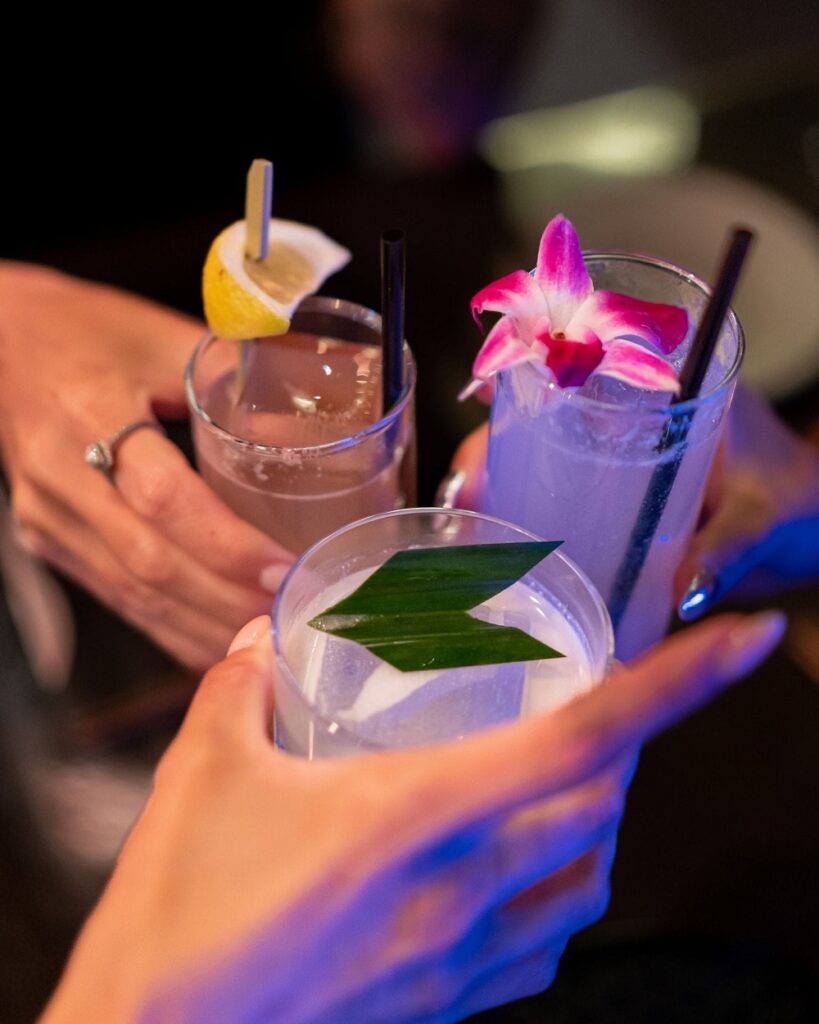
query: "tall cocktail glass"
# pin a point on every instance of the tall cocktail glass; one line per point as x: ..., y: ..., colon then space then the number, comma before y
x: 575, y: 464
x: 289, y: 430
x: 334, y: 697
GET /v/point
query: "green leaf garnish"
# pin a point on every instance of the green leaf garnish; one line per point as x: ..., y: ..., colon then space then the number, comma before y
x: 412, y: 611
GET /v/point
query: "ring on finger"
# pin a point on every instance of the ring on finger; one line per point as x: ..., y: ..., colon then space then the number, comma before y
x: 101, y: 454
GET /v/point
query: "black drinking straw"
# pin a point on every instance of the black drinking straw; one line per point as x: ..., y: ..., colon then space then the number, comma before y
x: 676, y: 432
x: 393, y: 271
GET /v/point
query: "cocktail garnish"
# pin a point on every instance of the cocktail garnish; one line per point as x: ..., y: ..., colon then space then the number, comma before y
x: 252, y: 298
x: 555, y: 320
x: 412, y: 612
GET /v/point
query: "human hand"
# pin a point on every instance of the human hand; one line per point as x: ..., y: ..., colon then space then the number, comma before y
x: 79, y: 361
x: 422, y: 884
x: 760, y: 526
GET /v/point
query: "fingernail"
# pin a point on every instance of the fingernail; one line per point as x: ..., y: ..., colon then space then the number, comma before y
x: 249, y: 633
x: 699, y: 595
x: 449, y: 489
x: 469, y: 389
x: 270, y: 579
x: 751, y: 642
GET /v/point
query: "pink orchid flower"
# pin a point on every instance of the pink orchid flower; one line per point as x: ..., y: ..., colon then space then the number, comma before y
x: 555, y: 318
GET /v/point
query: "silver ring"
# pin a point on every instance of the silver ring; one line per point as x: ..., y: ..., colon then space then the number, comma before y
x: 100, y: 455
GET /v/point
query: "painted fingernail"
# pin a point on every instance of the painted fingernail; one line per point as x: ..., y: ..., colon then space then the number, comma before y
x: 249, y: 633
x: 270, y: 579
x: 699, y: 595
x: 449, y: 489
x: 751, y: 642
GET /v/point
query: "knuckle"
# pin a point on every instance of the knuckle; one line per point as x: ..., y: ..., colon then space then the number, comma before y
x: 140, y: 602
x: 610, y: 807
x: 537, y: 975
x: 36, y: 543
x: 580, y: 750
x: 597, y: 903
x: 150, y: 562
x: 156, y: 492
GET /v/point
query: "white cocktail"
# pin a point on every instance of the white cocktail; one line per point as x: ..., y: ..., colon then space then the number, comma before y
x: 336, y: 697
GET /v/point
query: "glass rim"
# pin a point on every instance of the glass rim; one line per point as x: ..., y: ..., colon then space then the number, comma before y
x: 680, y: 409
x: 313, y: 304
x: 285, y: 671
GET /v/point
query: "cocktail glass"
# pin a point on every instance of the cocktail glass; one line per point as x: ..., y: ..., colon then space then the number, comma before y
x: 334, y: 697
x: 576, y: 464
x: 289, y: 430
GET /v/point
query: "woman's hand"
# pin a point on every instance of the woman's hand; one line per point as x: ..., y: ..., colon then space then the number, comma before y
x: 79, y: 361
x: 422, y: 884
x: 760, y: 528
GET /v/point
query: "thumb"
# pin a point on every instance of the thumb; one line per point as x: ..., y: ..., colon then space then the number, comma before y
x: 234, y: 702
x: 253, y: 632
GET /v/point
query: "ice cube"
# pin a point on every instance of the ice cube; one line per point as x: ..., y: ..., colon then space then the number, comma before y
x: 342, y: 668
x: 395, y: 709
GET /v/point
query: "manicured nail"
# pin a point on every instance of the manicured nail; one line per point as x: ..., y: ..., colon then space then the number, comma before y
x: 751, y: 642
x: 699, y: 596
x: 250, y: 633
x: 449, y: 489
x: 270, y: 579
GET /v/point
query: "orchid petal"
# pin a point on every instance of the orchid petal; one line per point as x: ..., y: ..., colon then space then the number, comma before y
x: 561, y: 272
x: 611, y: 316
x: 517, y: 295
x: 636, y: 365
x: 503, y: 347
x: 572, y: 362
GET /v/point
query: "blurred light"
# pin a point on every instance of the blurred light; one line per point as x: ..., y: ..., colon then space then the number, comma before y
x: 643, y: 131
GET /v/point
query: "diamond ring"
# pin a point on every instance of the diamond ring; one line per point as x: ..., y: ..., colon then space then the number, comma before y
x: 100, y: 454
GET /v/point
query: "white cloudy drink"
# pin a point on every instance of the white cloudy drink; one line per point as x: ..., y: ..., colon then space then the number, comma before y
x: 336, y: 697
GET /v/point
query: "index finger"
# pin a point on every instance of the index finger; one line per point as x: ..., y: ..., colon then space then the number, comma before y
x: 536, y: 757
x: 154, y: 477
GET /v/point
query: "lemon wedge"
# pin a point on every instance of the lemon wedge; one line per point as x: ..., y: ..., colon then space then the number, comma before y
x: 247, y: 298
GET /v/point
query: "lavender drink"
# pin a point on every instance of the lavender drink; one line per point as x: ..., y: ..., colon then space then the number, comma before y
x: 576, y: 462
